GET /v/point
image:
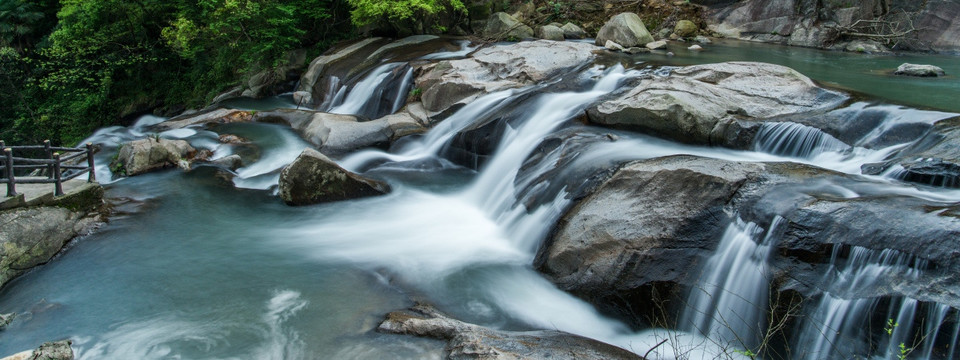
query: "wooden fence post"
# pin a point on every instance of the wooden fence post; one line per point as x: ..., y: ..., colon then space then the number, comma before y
x: 56, y: 174
x: 11, y: 182
x: 93, y: 171
x: 46, y: 148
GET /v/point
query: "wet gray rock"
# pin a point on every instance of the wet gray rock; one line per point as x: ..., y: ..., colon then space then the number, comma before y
x: 712, y: 103
x: 469, y: 341
x: 933, y: 160
x: 625, y: 29
x: 865, y: 46
x: 497, y: 68
x: 150, y: 154
x: 502, y: 26
x: 572, y: 31
x: 313, y: 178
x: 909, y: 69
x: 550, y: 32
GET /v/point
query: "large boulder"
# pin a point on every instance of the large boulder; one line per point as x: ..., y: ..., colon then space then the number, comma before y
x: 313, y: 178
x: 625, y: 29
x: 497, y: 68
x: 154, y: 153
x: 712, y: 103
x: 685, y: 28
x: 652, y: 225
x: 469, y: 341
x: 502, y: 26
x: 909, y: 69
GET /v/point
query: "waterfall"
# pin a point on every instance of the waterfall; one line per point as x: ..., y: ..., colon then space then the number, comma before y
x: 730, y: 301
x: 834, y: 328
x: 795, y: 140
x: 404, y: 89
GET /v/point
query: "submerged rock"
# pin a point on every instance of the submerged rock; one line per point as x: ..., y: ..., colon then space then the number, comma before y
x: 625, y: 29
x: 499, y: 67
x: 5, y: 320
x: 145, y: 155
x: 708, y: 104
x: 313, y: 178
x: 502, y: 26
x: 919, y: 70
x: 469, y: 341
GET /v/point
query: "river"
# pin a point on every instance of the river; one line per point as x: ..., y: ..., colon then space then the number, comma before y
x: 195, y: 267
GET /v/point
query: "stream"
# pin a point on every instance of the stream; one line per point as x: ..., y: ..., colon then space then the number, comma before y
x: 192, y: 266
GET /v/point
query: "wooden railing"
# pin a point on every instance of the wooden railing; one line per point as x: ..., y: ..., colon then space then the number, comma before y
x: 56, y: 165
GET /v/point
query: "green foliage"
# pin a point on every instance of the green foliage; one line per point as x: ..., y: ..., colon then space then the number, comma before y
x: 69, y: 67
x: 369, y: 11
x: 890, y: 326
x: 748, y: 353
x: 903, y: 351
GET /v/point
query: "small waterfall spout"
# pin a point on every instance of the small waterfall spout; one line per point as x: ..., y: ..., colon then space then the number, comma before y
x: 834, y: 328
x: 730, y: 301
x: 377, y: 94
x: 796, y: 140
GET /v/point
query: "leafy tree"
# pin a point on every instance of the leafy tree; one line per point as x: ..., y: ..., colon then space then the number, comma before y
x: 396, y: 13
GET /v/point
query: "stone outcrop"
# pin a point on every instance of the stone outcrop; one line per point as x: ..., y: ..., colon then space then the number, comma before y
x: 502, y: 26
x: 469, y: 341
x: 713, y: 103
x: 57, y: 350
x: 145, y: 155
x: 820, y: 24
x: 909, y: 69
x: 497, y: 68
x: 625, y: 29
x: 313, y: 178
x: 31, y: 236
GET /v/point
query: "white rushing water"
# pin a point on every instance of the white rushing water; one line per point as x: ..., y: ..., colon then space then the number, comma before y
x: 368, y: 91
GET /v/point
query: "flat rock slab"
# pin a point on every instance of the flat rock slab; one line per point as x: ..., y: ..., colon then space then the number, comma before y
x: 469, y: 341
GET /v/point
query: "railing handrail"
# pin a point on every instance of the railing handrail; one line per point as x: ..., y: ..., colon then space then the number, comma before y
x: 53, y: 164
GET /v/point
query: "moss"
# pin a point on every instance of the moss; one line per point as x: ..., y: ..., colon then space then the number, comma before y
x: 81, y: 201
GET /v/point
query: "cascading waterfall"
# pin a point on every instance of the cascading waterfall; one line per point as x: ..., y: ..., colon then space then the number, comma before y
x: 834, y: 328
x: 730, y: 301
x: 365, y: 97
